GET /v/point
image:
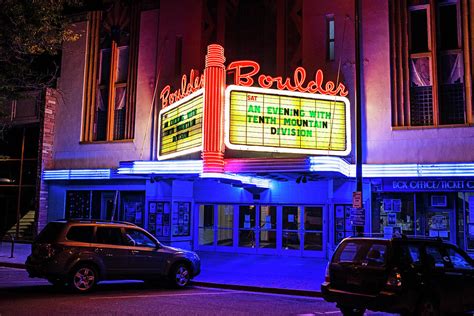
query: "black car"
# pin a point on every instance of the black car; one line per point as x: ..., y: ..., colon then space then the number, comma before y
x: 411, y: 276
x: 80, y: 253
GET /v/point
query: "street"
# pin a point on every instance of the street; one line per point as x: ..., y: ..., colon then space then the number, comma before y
x: 20, y: 295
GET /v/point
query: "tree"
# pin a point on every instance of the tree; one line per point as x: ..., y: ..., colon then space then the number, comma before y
x: 31, y: 35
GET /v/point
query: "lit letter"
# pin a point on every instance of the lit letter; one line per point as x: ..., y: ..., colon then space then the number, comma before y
x: 246, y: 78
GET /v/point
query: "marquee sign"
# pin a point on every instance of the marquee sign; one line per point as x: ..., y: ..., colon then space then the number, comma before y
x: 270, y: 120
x: 181, y: 127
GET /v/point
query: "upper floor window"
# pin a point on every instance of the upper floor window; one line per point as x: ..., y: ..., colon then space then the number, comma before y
x: 110, y: 84
x: 330, y: 38
x: 429, y: 81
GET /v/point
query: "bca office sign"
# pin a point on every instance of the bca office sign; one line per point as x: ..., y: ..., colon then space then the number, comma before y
x: 429, y: 185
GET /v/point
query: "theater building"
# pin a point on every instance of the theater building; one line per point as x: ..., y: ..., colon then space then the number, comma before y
x: 229, y: 126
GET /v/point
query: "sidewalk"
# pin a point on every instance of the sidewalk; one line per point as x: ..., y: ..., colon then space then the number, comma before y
x: 263, y: 273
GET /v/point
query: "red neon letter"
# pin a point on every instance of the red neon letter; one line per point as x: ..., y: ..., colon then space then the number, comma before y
x: 246, y: 78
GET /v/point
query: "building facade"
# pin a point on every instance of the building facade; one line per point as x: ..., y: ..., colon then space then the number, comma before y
x: 230, y: 125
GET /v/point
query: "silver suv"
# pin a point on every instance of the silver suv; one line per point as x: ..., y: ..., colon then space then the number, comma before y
x: 80, y: 253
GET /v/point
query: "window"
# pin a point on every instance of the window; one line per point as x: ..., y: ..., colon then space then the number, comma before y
x: 428, y: 64
x: 109, y: 103
x: 330, y: 37
x: 81, y: 233
x: 138, y: 238
x: 109, y: 236
x: 458, y: 260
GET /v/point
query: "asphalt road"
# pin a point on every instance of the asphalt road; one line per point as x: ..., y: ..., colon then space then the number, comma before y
x: 20, y: 295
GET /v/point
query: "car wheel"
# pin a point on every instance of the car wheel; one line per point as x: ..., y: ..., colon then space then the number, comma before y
x: 180, y: 275
x: 352, y: 311
x: 84, y: 277
x: 427, y: 307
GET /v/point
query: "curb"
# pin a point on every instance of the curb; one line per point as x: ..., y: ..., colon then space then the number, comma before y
x: 260, y: 289
x: 13, y: 265
x: 248, y: 288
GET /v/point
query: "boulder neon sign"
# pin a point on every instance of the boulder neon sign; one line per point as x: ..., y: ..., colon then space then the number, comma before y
x: 246, y: 79
x: 245, y: 74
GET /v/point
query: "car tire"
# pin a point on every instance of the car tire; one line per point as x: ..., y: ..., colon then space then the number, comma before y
x: 83, y: 278
x: 427, y: 306
x: 179, y: 276
x: 352, y: 311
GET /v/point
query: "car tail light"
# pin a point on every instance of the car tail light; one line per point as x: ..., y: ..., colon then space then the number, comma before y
x: 394, y: 279
x: 327, y: 278
x: 46, y: 251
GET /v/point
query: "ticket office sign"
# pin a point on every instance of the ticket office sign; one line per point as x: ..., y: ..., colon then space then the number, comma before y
x: 181, y: 127
x: 287, y: 122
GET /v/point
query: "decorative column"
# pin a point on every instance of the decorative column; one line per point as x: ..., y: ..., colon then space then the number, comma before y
x: 214, y: 86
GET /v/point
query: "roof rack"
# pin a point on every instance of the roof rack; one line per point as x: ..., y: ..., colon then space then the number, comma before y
x: 98, y: 221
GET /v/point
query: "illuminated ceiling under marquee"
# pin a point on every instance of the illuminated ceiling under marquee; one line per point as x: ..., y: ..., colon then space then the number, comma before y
x: 269, y: 120
x: 181, y: 127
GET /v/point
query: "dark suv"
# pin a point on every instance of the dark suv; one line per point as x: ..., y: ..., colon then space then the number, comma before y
x: 80, y: 253
x: 400, y: 275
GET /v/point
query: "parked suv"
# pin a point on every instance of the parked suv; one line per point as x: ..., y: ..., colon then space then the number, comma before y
x: 400, y: 275
x: 80, y: 253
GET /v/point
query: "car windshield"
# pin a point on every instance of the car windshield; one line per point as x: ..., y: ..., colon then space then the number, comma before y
x: 362, y: 252
x: 50, y: 232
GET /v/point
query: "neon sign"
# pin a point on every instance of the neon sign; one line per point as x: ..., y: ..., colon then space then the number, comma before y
x: 244, y: 75
x: 196, y: 82
x: 268, y: 120
x: 181, y: 127
x: 246, y: 79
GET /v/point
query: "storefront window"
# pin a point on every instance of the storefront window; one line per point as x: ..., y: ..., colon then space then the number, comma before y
x: 469, y: 207
x: 182, y: 219
x: 132, y: 207
x: 78, y: 204
x: 395, y: 214
x: 206, y: 225
x: 342, y: 222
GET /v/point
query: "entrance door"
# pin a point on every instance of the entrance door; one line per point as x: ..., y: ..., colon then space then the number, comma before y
x: 248, y: 233
x: 290, y: 234
x: 302, y: 230
x: 257, y: 232
x: 313, y: 228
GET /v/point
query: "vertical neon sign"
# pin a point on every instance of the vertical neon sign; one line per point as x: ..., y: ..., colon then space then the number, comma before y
x: 214, y: 85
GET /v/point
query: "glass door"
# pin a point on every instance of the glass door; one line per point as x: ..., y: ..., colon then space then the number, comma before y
x: 291, y: 228
x: 247, y: 227
x: 267, y: 230
x: 313, y: 228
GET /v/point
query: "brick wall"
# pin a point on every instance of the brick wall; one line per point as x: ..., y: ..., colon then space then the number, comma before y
x: 45, y: 154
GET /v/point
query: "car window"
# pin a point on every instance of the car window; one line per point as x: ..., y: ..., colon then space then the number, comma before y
x: 375, y: 255
x: 347, y: 252
x: 434, y: 257
x: 458, y: 260
x: 80, y: 233
x: 109, y: 235
x: 362, y: 252
x: 138, y: 238
x: 411, y: 254
x: 50, y: 233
